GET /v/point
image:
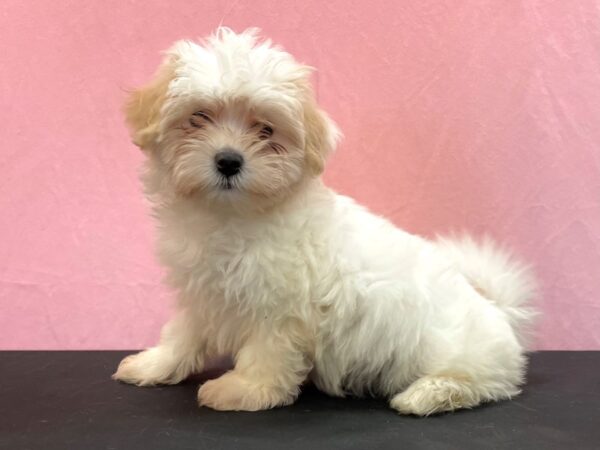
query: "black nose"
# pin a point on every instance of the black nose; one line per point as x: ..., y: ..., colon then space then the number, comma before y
x: 229, y: 162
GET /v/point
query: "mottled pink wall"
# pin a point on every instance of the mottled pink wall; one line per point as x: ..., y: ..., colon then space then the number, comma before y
x: 477, y: 115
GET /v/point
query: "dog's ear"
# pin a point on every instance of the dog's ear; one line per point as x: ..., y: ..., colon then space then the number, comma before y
x: 142, y: 108
x: 321, y: 137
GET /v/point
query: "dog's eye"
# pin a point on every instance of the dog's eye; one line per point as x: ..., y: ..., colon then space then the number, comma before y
x: 265, y: 132
x: 198, y: 118
x: 202, y: 114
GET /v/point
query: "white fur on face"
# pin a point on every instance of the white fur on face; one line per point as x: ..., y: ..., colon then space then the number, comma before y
x: 223, y: 94
x: 272, y: 162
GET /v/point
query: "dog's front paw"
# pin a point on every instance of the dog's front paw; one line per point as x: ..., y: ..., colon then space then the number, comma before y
x: 148, y: 368
x: 232, y: 392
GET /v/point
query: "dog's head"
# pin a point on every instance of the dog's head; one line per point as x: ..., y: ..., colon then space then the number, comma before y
x: 231, y: 120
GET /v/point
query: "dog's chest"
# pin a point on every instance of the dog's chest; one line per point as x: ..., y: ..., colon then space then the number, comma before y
x: 257, y: 268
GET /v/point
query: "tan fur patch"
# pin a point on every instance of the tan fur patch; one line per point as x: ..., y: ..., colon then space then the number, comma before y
x: 317, y: 138
x: 142, y: 109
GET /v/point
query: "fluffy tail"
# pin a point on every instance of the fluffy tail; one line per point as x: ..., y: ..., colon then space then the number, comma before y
x: 499, y: 277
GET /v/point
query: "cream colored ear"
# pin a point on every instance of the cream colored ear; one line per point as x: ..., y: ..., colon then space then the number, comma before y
x: 321, y: 137
x: 142, y: 109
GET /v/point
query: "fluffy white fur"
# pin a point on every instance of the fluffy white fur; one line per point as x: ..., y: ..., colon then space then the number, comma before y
x: 292, y: 279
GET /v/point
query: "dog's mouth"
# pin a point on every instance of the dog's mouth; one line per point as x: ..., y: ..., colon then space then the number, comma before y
x: 227, y: 184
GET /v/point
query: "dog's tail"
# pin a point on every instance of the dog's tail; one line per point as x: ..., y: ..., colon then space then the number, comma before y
x: 499, y: 277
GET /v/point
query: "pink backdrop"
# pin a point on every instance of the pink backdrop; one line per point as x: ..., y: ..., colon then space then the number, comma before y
x: 477, y: 115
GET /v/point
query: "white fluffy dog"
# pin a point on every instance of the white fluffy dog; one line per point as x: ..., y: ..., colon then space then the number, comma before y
x: 292, y: 279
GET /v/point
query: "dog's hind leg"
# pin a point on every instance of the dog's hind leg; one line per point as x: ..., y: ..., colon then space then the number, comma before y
x: 436, y: 394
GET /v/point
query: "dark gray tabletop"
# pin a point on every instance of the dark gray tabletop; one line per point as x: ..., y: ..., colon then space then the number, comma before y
x: 66, y: 400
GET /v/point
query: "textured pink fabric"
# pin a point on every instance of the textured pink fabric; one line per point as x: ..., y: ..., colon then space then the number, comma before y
x: 474, y: 115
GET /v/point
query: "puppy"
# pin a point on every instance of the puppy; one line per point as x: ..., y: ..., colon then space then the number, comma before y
x: 292, y: 279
